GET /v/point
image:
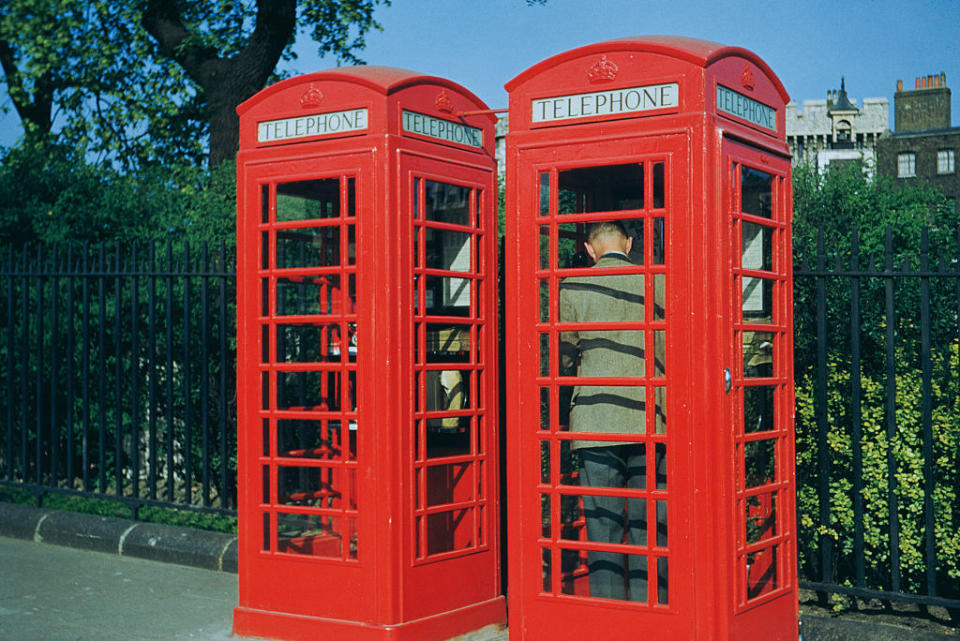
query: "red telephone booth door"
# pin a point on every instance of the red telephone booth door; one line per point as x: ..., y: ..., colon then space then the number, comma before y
x: 599, y: 536
x: 450, y: 268
x: 302, y: 353
x: 758, y: 201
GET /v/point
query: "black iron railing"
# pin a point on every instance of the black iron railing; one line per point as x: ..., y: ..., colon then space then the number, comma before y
x: 119, y: 373
x: 118, y: 378
x: 878, y: 422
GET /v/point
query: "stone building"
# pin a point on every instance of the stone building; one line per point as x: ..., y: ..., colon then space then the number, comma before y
x: 923, y: 145
x: 836, y: 129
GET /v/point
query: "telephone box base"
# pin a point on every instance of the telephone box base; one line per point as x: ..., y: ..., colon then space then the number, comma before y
x: 248, y: 622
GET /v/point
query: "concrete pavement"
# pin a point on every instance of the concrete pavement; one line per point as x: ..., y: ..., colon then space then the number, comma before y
x: 54, y: 593
x: 103, y: 580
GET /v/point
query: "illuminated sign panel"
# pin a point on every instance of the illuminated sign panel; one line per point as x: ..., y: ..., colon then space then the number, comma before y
x: 334, y: 122
x: 736, y: 104
x: 605, y: 103
x: 440, y: 129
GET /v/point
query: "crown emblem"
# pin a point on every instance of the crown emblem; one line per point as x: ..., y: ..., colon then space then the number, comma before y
x: 746, y: 77
x: 312, y: 97
x: 602, y: 71
x: 443, y: 102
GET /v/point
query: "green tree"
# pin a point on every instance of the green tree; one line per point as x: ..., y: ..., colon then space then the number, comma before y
x: 828, y: 207
x: 147, y: 81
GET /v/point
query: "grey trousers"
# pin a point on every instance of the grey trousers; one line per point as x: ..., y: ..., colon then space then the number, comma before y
x: 612, y: 519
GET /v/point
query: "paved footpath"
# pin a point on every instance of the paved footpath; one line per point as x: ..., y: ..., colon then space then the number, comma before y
x: 54, y: 593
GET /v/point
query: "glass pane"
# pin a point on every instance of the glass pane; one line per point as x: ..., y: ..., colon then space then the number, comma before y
x: 613, y: 465
x: 660, y: 418
x: 264, y: 250
x: 450, y: 531
x: 544, y: 300
x: 310, y: 295
x: 308, y: 247
x: 544, y: 247
x: 265, y: 204
x: 265, y: 390
x: 544, y: 194
x: 758, y: 409
x: 545, y: 518
x: 313, y: 535
x: 608, y: 237
x: 610, y: 575
x: 609, y: 188
x: 544, y: 354
x: 659, y: 353
x: 761, y: 517
x: 322, y: 439
x: 447, y: 296
x: 544, y: 462
x: 601, y: 352
x: 660, y: 466
x: 663, y: 580
x: 659, y: 188
x: 759, y: 462
x: 762, y: 572
x: 448, y: 390
x: 266, y: 532
x: 757, y: 299
x: 448, y: 250
x: 447, y: 203
x: 757, y: 354
x: 608, y: 409
x: 449, y: 442
x: 447, y: 343
x: 756, y: 189
x: 351, y: 197
x: 659, y: 297
x: 544, y: 408
x: 319, y: 487
x: 546, y: 570
x: 452, y: 483
x: 351, y: 244
x: 308, y: 200
x: 309, y: 343
x: 659, y: 241
x: 662, y: 537
x: 416, y: 198
x: 570, y: 251
x: 756, y: 246
x: 319, y: 391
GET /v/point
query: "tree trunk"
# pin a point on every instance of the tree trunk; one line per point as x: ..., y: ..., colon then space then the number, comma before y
x: 226, y: 82
x: 36, y: 111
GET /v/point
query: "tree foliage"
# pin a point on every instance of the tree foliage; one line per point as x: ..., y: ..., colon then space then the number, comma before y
x: 828, y: 207
x: 48, y: 194
x: 143, y: 82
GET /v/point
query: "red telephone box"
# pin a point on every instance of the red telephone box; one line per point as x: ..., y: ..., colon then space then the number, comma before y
x: 648, y: 324
x: 367, y: 400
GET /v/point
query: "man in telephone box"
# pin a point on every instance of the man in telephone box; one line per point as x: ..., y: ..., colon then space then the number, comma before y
x: 610, y: 409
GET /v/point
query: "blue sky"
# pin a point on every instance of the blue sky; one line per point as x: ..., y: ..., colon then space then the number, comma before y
x: 810, y: 44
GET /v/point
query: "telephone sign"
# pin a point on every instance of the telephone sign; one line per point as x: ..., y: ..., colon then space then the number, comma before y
x: 367, y: 375
x: 648, y: 334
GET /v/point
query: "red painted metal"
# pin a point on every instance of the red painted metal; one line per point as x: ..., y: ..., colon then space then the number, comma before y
x: 367, y: 379
x: 682, y: 141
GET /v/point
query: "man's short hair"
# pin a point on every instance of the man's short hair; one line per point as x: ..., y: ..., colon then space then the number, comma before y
x: 605, y: 228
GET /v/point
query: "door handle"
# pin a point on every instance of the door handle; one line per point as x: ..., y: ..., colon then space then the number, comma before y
x: 727, y: 380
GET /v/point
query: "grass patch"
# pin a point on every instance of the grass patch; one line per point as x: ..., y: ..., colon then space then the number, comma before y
x: 118, y: 509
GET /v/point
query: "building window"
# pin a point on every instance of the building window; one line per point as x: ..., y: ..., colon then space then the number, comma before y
x: 907, y: 165
x: 945, y: 161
